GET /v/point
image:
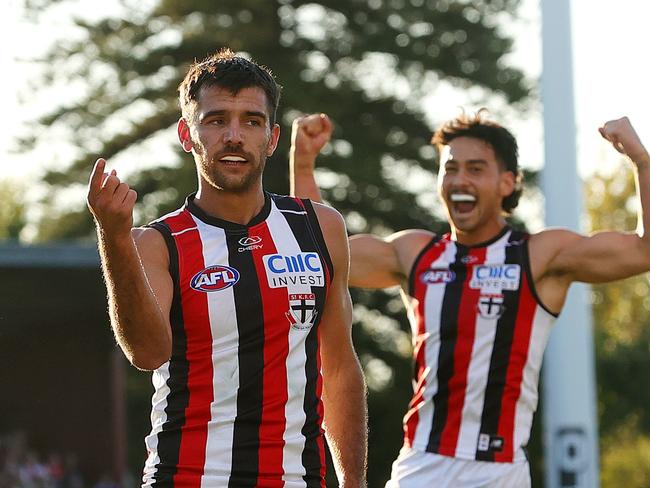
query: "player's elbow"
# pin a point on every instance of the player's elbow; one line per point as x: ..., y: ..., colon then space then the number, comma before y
x: 148, y: 359
x: 147, y: 363
x: 644, y: 250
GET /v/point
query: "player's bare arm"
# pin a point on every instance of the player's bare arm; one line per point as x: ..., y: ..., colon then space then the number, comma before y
x: 344, y: 391
x: 309, y: 134
x: 135, y: 265
x: 375, y: 262
x: 563, y: 256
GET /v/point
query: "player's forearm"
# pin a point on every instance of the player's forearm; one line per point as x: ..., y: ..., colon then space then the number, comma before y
x: 302, y: 182
x: 304, y: 186
x: 136, y: 318
x: 346, y: 424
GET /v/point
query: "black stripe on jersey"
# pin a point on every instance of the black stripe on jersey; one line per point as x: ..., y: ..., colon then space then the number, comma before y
x: 250, y: 326
x: 501, y: 352
x: 311, y: 460
x: 529, y: 276
x: 448, y: 337
x: 169, y: 439
x: 317, y: 234
x: 305, y: 234
x: 411, y: 277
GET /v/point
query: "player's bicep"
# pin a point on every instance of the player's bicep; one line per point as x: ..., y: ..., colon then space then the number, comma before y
x: 602, y: 257
x: 373, y: 262
x: 155, y: 262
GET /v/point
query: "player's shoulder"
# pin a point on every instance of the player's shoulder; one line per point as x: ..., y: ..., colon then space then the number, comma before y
x: 146, y: 234
x: 547, y: 245
x: 328, y: 217
x: 150, y: 242
x: 411, y: 238
x: 332, y: 226
x: 408, y: 245
x: 554, y: 238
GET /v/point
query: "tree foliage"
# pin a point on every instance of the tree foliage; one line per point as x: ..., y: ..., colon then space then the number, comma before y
x: 367, y: 63
x: 12, y: 211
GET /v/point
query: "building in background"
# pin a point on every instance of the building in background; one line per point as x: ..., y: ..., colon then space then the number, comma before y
x: 62, y: 377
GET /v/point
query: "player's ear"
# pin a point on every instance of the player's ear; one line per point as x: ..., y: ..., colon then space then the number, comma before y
x: 508, y: 182
x: 273, y: 141
x: 183, y: 131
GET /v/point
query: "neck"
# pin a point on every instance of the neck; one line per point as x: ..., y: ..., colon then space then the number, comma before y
x: 485, y: 233
x: 239, y: 208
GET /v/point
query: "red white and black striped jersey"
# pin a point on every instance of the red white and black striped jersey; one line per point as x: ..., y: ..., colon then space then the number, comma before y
x: 479, y: 334
x: 239, y: 402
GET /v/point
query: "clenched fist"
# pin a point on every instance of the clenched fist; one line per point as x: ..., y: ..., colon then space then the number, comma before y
x: 625, y: 140
x: 309, y: 134
x: 110, y: 201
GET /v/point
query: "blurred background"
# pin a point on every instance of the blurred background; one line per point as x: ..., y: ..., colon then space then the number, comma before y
x: 83, y: 79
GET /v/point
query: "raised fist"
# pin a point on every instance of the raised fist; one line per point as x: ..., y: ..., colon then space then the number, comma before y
x: 625, y: 140
x: 309, y: 135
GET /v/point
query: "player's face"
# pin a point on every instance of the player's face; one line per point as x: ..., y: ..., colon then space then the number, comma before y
x: 231, y: 138
x: 472, y: 185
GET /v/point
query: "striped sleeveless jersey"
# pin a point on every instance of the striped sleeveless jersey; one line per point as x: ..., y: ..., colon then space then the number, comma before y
x: 239, y: 402
x: 479, y: 333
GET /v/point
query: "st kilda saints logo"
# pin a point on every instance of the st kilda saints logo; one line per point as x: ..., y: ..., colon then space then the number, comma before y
x: 302, y: 310
x: 490, y: 306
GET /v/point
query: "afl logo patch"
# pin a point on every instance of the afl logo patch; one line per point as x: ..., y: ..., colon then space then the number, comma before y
x: 215, y: 278
x: 437, y: 275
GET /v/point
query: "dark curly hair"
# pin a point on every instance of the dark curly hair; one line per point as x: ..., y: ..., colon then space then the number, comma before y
x: 502, y: 141
x: 226, y: 70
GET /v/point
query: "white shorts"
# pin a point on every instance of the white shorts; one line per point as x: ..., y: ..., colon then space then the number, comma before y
x: 418, y: 469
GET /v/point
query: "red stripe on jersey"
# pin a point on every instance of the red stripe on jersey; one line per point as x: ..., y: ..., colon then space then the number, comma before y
x: 516, y: 365
x: 194, y: 432
x: 419, y: 290
x: 466, y: 332
x: 276, y: 350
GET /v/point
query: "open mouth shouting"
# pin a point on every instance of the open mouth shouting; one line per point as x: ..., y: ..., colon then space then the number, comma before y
x: 463, y: 202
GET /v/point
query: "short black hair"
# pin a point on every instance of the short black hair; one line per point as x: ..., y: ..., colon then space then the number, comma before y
x: 225, y: 69
x: 502, y: 141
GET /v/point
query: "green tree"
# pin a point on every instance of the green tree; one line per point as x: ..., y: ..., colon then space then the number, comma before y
x: 367, y: 63
x: 622, y: 318
x: 12, y: 210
